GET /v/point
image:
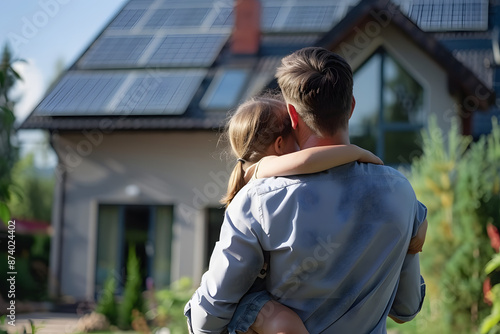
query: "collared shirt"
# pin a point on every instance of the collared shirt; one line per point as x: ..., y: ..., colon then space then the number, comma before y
x: 337, y: 242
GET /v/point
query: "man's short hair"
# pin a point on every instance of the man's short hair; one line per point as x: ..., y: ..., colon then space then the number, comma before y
x: 318, y: 83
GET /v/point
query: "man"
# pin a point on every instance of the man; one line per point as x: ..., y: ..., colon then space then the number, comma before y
x: 337, y: 240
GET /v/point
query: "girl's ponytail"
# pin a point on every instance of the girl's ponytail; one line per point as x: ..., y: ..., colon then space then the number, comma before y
x: 236, y: 182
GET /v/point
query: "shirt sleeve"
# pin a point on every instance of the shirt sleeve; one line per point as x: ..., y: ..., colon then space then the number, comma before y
x: 235, y: 263
x: 411, y: 290
x: 420, y: 215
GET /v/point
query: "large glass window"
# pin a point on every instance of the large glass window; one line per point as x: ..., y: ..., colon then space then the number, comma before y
x: 389, y: 111
x: 148, y: 229
x: 215, y: 217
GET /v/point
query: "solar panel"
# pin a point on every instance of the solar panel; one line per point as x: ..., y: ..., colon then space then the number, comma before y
x: 81, y: 93
x: 311, y: 18
x: 269, y: 15
x: 124, y: 93
x: 177, y: 17
x: 432, y: 15
x: 115, y: 51
x: 188, y: 49
x: 290, y: 17
x: 127, y: 19
x: 224, y: 17
x: 160, y: 94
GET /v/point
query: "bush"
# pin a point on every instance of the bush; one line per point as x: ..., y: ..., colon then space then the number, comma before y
x: 168, y: 306
x: 107, y: 303
x: 458, y: 181
x: 132, y: 296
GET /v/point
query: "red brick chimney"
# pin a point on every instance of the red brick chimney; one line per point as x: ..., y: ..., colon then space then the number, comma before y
x: 246, y: 32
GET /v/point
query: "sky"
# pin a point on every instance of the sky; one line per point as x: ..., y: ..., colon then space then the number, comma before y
x: 45, y: 33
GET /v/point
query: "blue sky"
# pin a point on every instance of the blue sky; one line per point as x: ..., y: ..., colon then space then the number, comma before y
x: 43, y: 32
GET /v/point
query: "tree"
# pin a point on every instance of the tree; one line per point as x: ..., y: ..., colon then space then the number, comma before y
x: 458, y: 181
x: 8, y: 152
x: 132, y: 296
x: 34, y: 190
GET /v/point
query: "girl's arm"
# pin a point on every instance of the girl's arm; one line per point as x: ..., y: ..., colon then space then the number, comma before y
x: 417, y: 242
x: 313, y: 160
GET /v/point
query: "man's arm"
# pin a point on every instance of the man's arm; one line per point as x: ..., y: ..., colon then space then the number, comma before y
x: 411, y: 291
x: 235, y: 263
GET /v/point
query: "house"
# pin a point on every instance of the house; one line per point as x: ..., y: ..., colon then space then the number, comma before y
x: 136, y: 120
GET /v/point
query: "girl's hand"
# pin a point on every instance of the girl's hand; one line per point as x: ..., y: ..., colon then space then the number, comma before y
x: 417, y: 242
x: 369, y: 157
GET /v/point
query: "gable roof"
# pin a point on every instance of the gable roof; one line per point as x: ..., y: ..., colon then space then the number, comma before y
x: 155, y: 63
x: 461, y: 79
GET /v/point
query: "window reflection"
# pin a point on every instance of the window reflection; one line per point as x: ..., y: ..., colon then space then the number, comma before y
x: 225, y: 90
x: 389, y: 111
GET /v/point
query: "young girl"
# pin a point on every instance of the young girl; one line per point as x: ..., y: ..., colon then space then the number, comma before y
x: 260, y: 136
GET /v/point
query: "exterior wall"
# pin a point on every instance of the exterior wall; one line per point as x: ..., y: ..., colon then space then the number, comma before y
x: 183, y: 169
x: 431, y: 76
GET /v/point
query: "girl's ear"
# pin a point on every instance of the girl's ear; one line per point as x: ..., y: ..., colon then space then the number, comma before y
x: 352, y: 106
x: 279, y: 145
x: 294, y: 117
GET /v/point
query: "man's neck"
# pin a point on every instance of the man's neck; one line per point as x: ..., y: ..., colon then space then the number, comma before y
x: 313, y: 140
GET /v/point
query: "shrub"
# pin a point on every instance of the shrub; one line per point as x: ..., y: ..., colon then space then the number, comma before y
x: 107, y: 303
x: 132, y: 296
x: 169, y: 310
x: 457, y: 180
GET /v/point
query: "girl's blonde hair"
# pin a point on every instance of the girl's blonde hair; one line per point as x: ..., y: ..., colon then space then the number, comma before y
x: 255, y: 125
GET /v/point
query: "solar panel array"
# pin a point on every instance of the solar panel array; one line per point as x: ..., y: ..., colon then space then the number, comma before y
x: 173, y: 34
x: 447, y: 15
x: 90, y: 93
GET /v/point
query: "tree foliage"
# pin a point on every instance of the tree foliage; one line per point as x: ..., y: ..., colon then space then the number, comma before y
x: 459, y: 182
x: 107, y: 305
x: 33, y: 191
x: 8, y: 153
x: 132, y: 296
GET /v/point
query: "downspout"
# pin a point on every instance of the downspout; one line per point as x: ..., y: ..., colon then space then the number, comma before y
x: 57, y: 223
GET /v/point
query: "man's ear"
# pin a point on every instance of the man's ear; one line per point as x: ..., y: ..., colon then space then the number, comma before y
x: 353, y: 104
x: 294, y: 117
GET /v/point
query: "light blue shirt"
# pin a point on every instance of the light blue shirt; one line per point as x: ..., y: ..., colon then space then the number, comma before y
x: 338, y: 244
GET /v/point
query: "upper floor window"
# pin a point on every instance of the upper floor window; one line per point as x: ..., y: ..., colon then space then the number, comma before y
x: 389, y: 113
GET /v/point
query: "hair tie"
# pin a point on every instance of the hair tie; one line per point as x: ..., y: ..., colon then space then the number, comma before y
x: 240, y: 160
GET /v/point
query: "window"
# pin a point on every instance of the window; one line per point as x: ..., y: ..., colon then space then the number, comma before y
x: 389, y: 111
x: 225, y: 90
x: 146, y: 228
x: 215, y: 217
